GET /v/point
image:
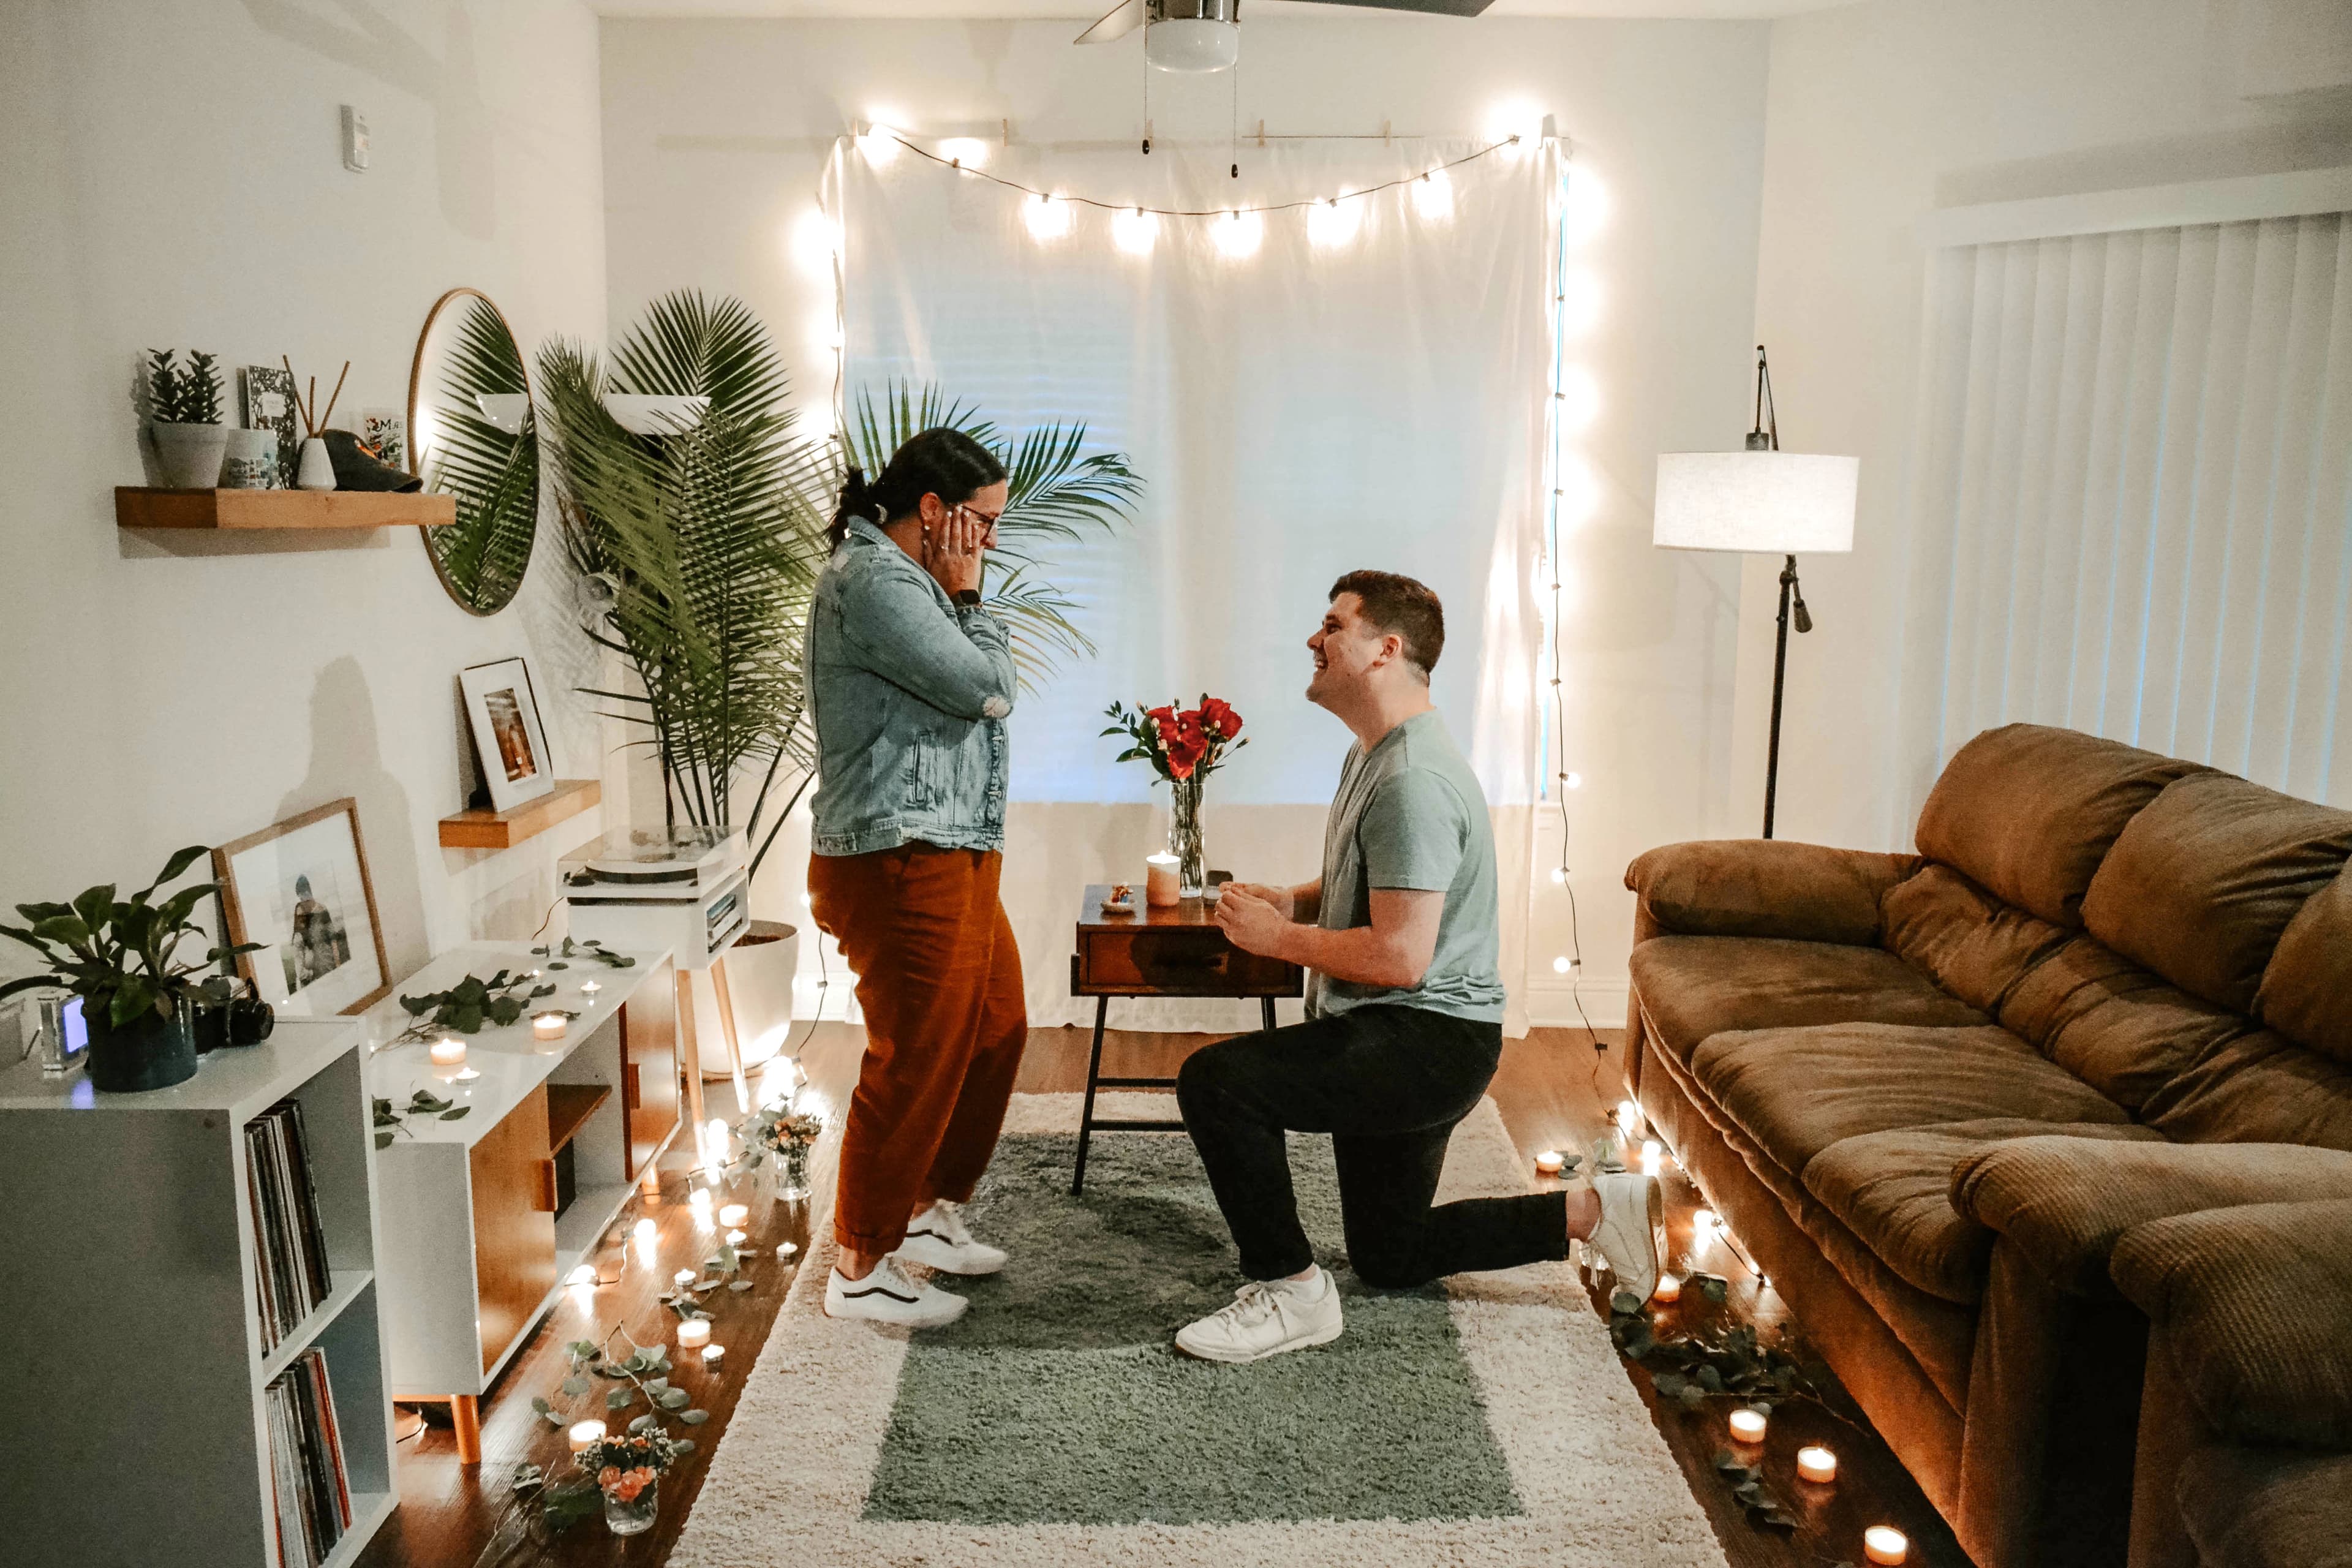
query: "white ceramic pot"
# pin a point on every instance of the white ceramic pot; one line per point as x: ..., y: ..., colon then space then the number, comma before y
x: 190, y: 455
x: 318, y: 469
x: 760, y: 969
x: 655, y: 414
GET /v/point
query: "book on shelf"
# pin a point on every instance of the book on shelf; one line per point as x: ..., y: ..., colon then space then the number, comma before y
x: 310, y: 1494
x: 291, y: 1276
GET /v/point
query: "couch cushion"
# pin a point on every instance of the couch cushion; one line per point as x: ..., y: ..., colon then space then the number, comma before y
x: 1894, y: 1190
x: 1798, y: 1091
x: 2029, y: 812
x: 1973, y: 945
x: 2267, y: 1507
x: 2203, y: 883
x: 1693, y: 986
x: 2122, y: 1030
x: 2306, y: 992
x: 2258, y: 1087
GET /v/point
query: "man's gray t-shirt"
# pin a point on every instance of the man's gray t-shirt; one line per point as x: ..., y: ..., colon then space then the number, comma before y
x: 1409, y: 815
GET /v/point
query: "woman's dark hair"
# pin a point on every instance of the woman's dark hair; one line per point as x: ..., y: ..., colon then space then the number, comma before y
x: 942, y: 461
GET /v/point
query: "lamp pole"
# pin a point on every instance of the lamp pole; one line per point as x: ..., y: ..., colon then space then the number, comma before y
x: 1766, y: 437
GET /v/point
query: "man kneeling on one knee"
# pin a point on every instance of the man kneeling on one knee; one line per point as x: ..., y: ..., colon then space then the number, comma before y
x: 1404, y: 1009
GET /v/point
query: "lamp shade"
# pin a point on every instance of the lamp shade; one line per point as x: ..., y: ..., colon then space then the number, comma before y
x: 1773, y: 503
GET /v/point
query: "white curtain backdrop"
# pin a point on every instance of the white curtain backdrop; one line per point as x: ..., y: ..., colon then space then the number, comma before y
x: 1295, y: 413
x: 2135, y: 498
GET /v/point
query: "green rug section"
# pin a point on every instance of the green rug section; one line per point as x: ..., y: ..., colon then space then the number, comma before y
x: 1059, y: 1397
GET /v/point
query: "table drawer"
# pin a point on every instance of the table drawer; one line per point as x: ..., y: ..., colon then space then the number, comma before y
x: 1177, y: 962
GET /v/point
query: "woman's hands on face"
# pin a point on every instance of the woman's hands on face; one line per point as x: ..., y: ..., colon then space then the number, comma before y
x: 955, y: 548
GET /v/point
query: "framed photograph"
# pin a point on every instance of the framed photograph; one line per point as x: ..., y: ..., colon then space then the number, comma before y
x: 301, y: 890
x: 269, y: 405
x: 507, y: 736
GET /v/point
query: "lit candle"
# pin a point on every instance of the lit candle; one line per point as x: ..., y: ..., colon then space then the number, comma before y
x: 1884, y: 1543
x: 1653, y: 1154
x: 710, y: 1354
x: 786, y: 1248
x: 549, y: 1025
x: 583, y: 1433
x: 1816, y: 1464
x: 683, y: 1277
x: 583, y: 1275
x: 736, y: 1238
x: 1160, y: 888
x: 693, y: 1333
x: 1629, y: 1117
x: 1748, y: 1426
x: 448, y: 1052
x: 1549, y: 1162
x: 1703, y: 1228
x: 734, y: 1214
x: 589, y: 987
x: 1669, y: 1290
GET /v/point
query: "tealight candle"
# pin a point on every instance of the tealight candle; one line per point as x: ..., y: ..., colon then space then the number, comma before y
x: 549, y: 1025
x: 583, y: 1275
x: 448, y: 1052
x: 1884, y: 1543
x: 683, y: 1277
x: 710, y: 1354
x: 786, y: 1248
x: 1160, y: 888
x: 693, y: 1333
x: 583, y: 1433
x: 1653, y: 1154
x: 1815, y: 1463
x: 1669, y: 1290
x: 1703, y: 1228
x: 1748, y: 1426
x: 1629, y: 1117
x: 736, y: 1238
x: 589, y: 987
x: 734, y: 1214
x: 1549, y: 1162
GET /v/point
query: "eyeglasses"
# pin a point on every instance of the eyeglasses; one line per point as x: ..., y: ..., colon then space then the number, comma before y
x: 987, y: 521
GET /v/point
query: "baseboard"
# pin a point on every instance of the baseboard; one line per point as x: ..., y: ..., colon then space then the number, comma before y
x: 1553, y: 1003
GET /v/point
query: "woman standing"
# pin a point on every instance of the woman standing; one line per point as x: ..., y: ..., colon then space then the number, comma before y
x: 911, y: 681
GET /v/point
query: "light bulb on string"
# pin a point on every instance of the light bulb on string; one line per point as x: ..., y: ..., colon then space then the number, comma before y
x: 1580, y: 398
x: 1577, y: 492
x: 1135, y: 231
x: 815, y: 242
x: 880, y: 143
x: 965, y: 152
x: 1579, y: 303
x: 1334, y: 222
x: 1237, y: 234
x: 1521, y: 125
x: 1432, y: 196
x: 1586, y: 207
x: 1559, y: 965
x: 1048, y: 217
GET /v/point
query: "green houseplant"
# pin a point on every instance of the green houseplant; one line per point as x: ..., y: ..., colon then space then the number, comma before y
x: 184, y: 417
x: 119, y: 956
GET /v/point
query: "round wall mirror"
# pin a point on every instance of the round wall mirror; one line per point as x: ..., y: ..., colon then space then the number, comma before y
x: 472, y: 438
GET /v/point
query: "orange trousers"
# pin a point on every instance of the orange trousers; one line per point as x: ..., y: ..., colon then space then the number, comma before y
x: 940, y: 979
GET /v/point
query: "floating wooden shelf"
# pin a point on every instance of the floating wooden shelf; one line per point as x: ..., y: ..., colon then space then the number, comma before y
x: 482, y: 828
x: 569, y: 1107
x: 137, y: 506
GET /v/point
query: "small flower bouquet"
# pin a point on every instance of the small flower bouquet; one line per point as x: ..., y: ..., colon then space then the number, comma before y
x: 628, y: 1467
x: 1184, y: 745
x: 788, y: 1135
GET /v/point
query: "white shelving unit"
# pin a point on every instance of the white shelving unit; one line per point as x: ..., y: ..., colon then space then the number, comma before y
x: 128, y: 1289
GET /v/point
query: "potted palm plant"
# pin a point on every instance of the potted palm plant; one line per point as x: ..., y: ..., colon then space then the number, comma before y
x: 119, y: 956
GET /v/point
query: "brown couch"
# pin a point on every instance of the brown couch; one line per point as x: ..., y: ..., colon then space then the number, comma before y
x: 1929, y: 1092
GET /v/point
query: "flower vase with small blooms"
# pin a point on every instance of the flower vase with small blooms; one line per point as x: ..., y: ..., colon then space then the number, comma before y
x: 628, y: 1469
x: 1185, y: 746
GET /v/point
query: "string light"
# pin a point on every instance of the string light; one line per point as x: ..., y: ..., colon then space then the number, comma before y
x: 965, y: 152
x: 1335, y: 222
x: 1576, y: 495
x: 1580, y: 398
x: 1048, y: 217
x: 815, y: 243
x: 1519, y: 125
x: 1585, y: 207
x: 1135, y: 231
x: 880, y: 144
x: 1433, y: 197
x: 1579, y: 303
x: 1237, y: 233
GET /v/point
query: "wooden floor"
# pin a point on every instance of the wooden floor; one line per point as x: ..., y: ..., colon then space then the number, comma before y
x: 1554, y: 1091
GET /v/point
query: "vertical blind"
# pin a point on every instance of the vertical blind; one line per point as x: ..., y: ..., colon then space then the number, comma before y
x: 2133, y: 497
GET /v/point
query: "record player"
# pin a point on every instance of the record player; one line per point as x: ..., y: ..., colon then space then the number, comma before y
x: 684, y: 889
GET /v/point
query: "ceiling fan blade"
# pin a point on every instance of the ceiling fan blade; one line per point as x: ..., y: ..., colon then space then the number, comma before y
x: 1435, y: 7
x: 1116, y: 23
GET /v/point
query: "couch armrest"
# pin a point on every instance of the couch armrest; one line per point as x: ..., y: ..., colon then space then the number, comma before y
x: 2063, y: 1202
x: 1764, y: 887
x: 2254, y: 1308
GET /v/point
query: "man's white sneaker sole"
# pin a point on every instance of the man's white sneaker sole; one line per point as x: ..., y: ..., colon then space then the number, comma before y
x: 1232, y: 1355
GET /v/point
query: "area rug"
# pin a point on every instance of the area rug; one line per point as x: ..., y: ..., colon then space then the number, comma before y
x: 1484, y: 1421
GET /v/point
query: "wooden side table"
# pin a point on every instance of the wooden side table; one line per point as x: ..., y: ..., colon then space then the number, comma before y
x: 1174, y: 951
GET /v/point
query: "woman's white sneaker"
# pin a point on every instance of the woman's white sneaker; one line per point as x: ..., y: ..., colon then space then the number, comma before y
x: 1632, y: 1214
x: 938, y: 1238
x: 1267, y: 1318
x: 888, y: 1296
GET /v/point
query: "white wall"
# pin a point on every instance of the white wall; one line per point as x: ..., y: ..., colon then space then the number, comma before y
x: 1878, y: 113
x: 172, y: 179
x: 715, y: 134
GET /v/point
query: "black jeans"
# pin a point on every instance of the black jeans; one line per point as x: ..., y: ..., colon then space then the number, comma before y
x: 1388, y: 1084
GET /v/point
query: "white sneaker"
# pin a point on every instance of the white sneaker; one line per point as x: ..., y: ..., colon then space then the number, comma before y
x: 1268, y: 1317
x: 1632, y: 1213
x: 938, y: 1238
x: 888, y: 1296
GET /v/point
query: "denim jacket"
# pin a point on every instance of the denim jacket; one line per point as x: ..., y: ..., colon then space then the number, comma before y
x: 911, y: 694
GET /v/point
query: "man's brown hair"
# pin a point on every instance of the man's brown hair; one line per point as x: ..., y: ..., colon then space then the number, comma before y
x: 1400, y: 605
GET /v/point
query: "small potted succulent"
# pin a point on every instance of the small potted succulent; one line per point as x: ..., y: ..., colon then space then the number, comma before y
x: 185, y: 408
x: 628, y: 1469
x: 116, y: 955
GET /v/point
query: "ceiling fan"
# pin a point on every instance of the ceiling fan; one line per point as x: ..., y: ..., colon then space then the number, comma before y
x: 1196, y: 36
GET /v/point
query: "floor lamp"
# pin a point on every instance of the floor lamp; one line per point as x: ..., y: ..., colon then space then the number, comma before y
x: 1761, y: 501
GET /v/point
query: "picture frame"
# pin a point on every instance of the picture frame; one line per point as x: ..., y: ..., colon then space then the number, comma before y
x: 301, y: 889
x: 510, y: 741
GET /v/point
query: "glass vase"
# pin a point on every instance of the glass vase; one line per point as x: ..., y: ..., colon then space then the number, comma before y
x: 1184, y: 837
x: 635, y: 1515
x: 789, y: 1168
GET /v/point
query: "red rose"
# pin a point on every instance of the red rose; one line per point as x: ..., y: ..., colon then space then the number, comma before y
x: 1218, y: 714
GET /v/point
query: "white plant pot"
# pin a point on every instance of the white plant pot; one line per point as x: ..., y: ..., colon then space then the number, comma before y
x: 318, y: 469
x: 759, y: 983
x: 655, y: 414
x: 190, y: 455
